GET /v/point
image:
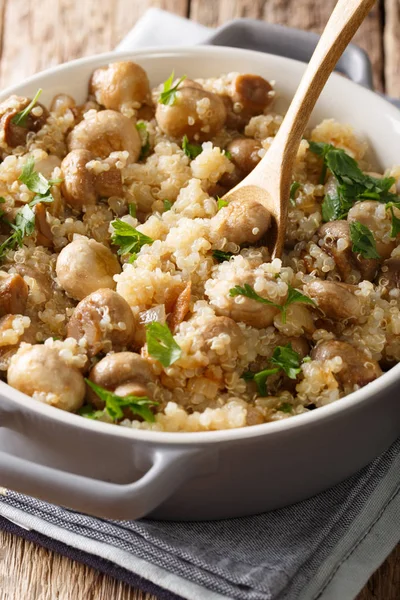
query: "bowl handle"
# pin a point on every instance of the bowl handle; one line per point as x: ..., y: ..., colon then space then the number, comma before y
x: 169, y: 468
x: 291, y: 43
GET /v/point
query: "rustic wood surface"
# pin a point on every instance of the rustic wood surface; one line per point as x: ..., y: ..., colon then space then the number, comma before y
x: 35, y: 35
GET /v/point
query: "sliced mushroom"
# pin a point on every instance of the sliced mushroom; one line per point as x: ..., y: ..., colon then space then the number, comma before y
x: 105, y: 320
x: 44, y: 235
x: 39, y: 371
x: 84, y: 266
x: 119, y: 85
x: 336, y: 300
x: 241, y: 222
x: 389, y: 274
x: 180, y: 307
x: 15, y: 135
x: 124, y: 373
x: 13, y: 294
x: 357, y: 370
x: 82, y: 186
x: 196, y: 113
x: 104, y: 132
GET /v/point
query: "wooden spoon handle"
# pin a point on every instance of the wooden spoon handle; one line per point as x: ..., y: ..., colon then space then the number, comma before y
x: 342, y: 25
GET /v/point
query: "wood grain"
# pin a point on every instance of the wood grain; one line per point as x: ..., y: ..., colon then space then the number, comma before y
x: 35, y: 35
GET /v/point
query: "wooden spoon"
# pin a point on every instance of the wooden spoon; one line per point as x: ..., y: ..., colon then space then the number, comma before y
x: 269, y: 182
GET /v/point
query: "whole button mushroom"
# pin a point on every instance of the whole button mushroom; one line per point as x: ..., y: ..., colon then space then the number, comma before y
x: 249, y: 96
x: 124, y: 373
x: 104, y: 132
x: 196, y: 113
x: 336, y: 300
x: 243, y: 221
x: 84, y: 266
x: 15, y: 134
x: 40, y: 372
x: 120, y: 85
x: 82, y: 186
x: 105, y: 320
x: 357, y: 370
x: 244, y: 153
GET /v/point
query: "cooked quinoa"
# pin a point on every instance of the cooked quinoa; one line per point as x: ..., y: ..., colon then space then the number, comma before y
x: 132, y: 292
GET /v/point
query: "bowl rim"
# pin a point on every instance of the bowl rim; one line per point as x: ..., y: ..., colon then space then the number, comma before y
x: 312, y: 418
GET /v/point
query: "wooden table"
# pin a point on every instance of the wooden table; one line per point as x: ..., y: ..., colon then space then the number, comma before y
x: 36, y: 34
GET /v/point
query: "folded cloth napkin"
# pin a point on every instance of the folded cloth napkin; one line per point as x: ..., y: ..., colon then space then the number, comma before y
x: 325, y: 547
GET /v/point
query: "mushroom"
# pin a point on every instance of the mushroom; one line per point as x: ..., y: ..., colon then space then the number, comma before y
x: 250, y: 95
x: 124, y: 373
x: 196, y: 113
x: 104, y: 132
x: 389, y: 274
x: 39, y: 281
x: 105, y: 320
x: 336, y: 300
x: 244, y: 154
x: 13, y: 294
x: 15, y: 135
x: 84, y: 266
x: 358, y: 368
x: 38, y: 371
x: 82, y: 186
x: 367, y: 213
x: 120, y: 85
x: 336, y: 241
x: 243, y: 221
x: 246, y: 310
x: 44, y: 235
x: 215, y: 327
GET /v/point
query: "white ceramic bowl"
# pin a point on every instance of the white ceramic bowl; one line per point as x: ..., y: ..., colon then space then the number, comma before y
x: 116, y: 472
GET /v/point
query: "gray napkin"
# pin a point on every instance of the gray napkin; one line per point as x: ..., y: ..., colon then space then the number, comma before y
x: 325, y: 547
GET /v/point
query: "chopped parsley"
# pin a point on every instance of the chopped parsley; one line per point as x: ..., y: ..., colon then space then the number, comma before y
x: 23, y: 226
x: 221, y: 203
x: 114, y: 405
x: 145, y: 149
x: 221, y: 256
x: 285, y: 407
x: 395, y: 220
x: 363, y: 240
x: 353, y: 184
x: 167, y: 205
x: 191, y: 150
x: 161, y: 344
x: 227, y: 154
x: 168, y: 95
x: 36, y: 182
x: 292, y: 297
x: 293, y: 189
x: 129, y: 239
x: 21, y: 117
x: 132, y: 209
x: 285, y: 359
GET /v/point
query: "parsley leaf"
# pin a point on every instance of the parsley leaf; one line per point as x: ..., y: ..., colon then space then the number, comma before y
x: 294, y: 296
x: 363, y: 240
x: 145, y: 149
x: 286, y: 407
x: 23, y: 227
x: 287, y: 359
x: 227, y: 154
x: 395, y: 220
x: 191, y: 150
x: 161, y: 344
x: 221, y: 256
x: 34, y: 181
x: 132, y: 209
x: 129, y: 239
x: 293, y: 189
x: 21, y: 117
x: 249, y: 292
x: 167, y: 205
x: 221, y: 203
x: 114, y: 405
x: 168, y: 95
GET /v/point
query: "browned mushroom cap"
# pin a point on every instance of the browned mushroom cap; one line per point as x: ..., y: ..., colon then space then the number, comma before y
x: 215, y: 327
x: 105, y: 320
x: 115, y: 371
x: 336, y: 241
x: 13, y: 294
x: 241, y: 222
x: 336, y: 300
x: 196, y: 113
x: 244, y: 153
x: 120, y: 84
x: 250, y: 96
x: 82, y: 186
x: 357, y: 370
x: 44, y: 235
x: 389, y: 274
x: 15, y: 135
x: 104, y: 132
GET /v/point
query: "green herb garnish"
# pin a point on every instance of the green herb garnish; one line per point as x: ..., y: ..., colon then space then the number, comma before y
x: 129, y: 239
x: 161, y: 344
x: 36, y: 182
x: 363, y: 240
x: 292, y: 297
x: 167, y: 205
x: 285, y: 359
x: 168, y: 95
x: 221, y: 256
x: 24, y: 226
x: 21, y: 117
x: 286, y: 407
x: 353, y: 185
x: 114, y: 405
x: 132, y: 209
x: 293, y: 189
x: 395, y: 220
x: 145, y: 149
x: 227, y: 154
x: 191, y: 150
x: 221, y: 203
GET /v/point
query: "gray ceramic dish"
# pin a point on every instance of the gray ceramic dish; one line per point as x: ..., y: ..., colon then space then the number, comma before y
x: 119, y: 473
